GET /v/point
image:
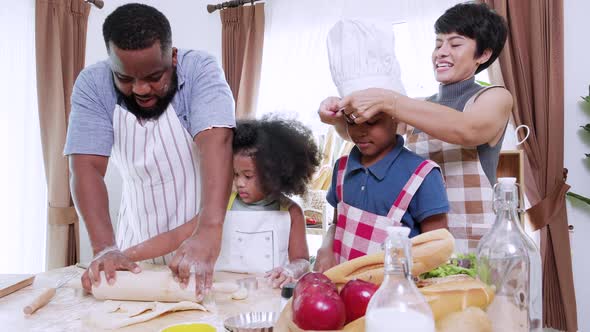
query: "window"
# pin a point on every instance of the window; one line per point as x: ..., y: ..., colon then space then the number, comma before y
x: 22, y: 181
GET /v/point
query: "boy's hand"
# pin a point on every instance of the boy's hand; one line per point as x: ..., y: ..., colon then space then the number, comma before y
x: 324, y: 260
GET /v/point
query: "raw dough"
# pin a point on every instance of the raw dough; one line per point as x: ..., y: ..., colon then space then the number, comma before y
x: 116, y: 314
x: 152, y: 286
x: 148, y: 286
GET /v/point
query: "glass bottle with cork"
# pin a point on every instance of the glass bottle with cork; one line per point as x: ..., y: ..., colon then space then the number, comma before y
x: 509, y: 261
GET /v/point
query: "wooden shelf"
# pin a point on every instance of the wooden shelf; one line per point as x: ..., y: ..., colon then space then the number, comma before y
x: 511, y: 164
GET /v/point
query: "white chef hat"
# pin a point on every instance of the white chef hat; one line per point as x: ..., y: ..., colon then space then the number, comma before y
x: 362, y: 56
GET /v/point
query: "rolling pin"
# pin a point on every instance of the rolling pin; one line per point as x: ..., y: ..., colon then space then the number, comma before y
x: 46, y: 296
x: 40, y: 301
x: 153, y: 286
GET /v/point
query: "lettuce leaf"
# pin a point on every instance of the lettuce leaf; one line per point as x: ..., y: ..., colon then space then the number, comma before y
x: 462, y: 264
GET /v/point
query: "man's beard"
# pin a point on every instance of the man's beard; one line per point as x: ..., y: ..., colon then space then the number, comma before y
x: 155, y: 111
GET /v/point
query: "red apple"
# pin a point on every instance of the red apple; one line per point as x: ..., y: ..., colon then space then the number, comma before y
x: 356, y: 295
x: 319, y: 310
x: 312, y: 278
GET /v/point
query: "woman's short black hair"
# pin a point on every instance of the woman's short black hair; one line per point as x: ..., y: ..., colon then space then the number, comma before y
x: 137, y: 26
x: 284, y: 152
x: 476, y: 21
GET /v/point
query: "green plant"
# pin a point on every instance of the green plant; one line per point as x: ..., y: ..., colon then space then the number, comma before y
x: 587, y: 129
x: 483, y: 83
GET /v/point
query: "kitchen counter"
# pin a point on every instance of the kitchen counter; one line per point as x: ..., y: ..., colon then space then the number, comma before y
x: 66, y: 311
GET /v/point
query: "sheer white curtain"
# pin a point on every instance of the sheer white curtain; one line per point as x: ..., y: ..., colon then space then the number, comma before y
x: 22, y: 181
x: 295, y: 76
x: 415, y: 40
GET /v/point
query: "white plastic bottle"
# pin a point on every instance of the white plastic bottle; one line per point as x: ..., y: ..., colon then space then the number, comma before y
x: 398, y: 305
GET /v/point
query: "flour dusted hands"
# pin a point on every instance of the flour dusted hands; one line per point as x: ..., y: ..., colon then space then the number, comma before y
x: 197, y: 255
x: 108, y: 260
x: 282, y: 275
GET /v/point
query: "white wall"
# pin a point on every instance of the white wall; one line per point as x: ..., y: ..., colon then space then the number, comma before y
x: 577, y: 142
x: 192, y: 27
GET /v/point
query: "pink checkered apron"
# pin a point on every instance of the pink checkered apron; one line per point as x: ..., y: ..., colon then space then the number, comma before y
x: 359, y: 232
x: 468, y: 188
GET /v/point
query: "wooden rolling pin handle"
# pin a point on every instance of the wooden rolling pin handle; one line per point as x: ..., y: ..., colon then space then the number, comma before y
x: 39, y: 301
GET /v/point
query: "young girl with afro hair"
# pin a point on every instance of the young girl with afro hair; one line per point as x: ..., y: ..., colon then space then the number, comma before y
x: 264, y: 230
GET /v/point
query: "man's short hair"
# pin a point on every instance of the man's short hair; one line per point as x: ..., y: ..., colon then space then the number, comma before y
x: 137, y: 26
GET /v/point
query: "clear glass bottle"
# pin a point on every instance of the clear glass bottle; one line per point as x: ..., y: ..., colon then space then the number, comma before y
x: 509, y: 261
x: 398, y: 305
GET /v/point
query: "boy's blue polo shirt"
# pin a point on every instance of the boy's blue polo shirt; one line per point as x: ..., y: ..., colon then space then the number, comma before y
x: 374, y: 189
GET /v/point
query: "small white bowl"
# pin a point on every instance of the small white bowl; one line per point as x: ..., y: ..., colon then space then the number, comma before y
x: 252, y: 322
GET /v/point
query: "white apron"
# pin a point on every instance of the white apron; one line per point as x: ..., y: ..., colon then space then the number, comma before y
x: 158, y: 162
x: 254, y: 241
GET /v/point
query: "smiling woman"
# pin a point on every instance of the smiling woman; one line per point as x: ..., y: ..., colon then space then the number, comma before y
x: 462, y: 126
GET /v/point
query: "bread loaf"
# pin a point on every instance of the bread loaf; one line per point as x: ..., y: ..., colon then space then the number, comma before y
x: 429, y: 250
x: 456, y: 295
x: 469, y: 320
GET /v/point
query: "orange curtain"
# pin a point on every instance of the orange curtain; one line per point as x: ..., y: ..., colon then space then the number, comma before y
x: 532, y: 68
x: 60, y: 37
x: 242, y: 41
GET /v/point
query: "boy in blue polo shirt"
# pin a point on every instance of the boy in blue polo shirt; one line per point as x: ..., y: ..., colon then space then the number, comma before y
x: 380, y: 183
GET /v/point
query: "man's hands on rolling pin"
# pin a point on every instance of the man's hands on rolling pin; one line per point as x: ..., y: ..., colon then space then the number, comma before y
x: 198, y: 255
x: 108, y: 260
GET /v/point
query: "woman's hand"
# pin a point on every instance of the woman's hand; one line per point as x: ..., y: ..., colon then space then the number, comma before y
x: 329, y: 111
x: 362, y: 105
x: 324, y: 260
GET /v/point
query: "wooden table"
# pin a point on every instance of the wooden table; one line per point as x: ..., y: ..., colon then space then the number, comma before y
x: 67, y: 309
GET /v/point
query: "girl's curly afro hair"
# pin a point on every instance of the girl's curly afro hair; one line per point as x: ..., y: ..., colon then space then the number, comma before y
x: 284, y: 152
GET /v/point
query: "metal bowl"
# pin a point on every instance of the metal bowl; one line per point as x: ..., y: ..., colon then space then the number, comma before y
x: 252, y: 322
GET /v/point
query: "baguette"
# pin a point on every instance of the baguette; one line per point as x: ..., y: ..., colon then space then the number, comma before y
x: 429, y: 251
x: 469, y: 320
x: 445, y: 298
